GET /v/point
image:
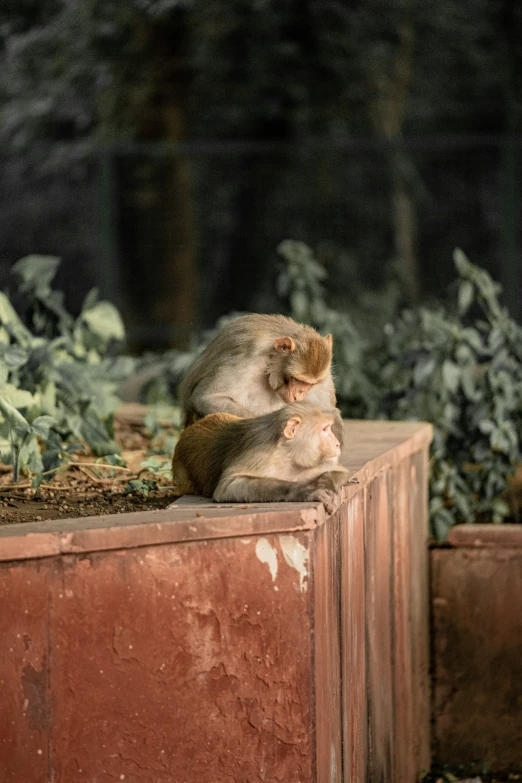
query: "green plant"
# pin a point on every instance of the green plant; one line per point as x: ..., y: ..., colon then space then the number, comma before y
x: 58, y: 374
x: 141, y: 487
x: 301, y: 287
x: 158, y: 467
x: 21, y: 433
x: 458, y: 366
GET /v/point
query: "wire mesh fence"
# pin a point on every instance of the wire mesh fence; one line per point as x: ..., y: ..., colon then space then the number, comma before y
x: 177, y: 235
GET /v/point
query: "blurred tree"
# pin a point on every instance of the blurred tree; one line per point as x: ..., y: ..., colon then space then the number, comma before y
x: 91, y: 72
x: 274, y: 71
x: 380, y: 68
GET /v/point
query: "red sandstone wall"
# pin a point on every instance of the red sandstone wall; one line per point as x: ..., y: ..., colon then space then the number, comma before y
x: 477, y: 647
x: 211, y: 644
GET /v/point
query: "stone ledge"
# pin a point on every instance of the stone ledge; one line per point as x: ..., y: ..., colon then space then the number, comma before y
x: 370, y: 448
x: 486, y: 536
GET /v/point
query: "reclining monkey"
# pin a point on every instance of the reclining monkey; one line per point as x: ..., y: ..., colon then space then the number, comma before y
x: 290, y: 454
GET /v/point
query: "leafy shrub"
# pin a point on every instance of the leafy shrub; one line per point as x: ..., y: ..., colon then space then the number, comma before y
x: 58, y: 374
x: 457, y: 366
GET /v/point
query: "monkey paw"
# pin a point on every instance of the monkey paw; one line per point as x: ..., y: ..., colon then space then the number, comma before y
x: 324, y: 496
x: 347, y: 479
x: 335, y: 479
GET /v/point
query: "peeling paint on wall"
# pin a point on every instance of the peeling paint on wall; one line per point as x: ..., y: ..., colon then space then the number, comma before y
x: 296, y: 556
x: 266, y: 553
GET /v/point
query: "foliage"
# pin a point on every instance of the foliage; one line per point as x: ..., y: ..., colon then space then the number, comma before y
x: 300, y: 285
x: 58, y: 374
x: 75, y: 70
x: 141, y: 486
x: 459, y: 367
x: 333, y: 82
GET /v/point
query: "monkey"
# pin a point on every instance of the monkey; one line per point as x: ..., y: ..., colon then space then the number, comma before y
x: 290, y: 454
x: 257, y: 364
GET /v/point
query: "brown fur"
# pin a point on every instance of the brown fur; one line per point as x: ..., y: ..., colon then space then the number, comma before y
x: 193, y: 468
x: 318, y: 357
x: 245, y: 370
x: 255, y: 460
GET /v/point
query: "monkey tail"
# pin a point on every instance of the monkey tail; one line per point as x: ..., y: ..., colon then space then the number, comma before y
x: 181, y: 480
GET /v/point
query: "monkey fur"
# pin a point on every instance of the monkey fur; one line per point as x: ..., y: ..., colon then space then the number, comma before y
x: 257, y: 364
x: 290, y: 454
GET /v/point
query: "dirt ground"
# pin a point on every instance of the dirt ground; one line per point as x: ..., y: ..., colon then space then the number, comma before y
x: 86, y: 489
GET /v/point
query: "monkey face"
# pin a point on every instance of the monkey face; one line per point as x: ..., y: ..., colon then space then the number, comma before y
x: 312, y: 441
x: 293, y: 369
x: 329, y: 446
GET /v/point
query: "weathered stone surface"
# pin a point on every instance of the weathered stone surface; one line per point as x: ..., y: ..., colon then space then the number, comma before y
x: 379, y: 597
x: 190, y: 663
x: 218, y: 643
x: 370, y: 447
x: 504, y: 536
x: 353, y: 628
x: 418, y: 589
x: 327, y: 660
x: 477, y: 634
x: 24, y: 673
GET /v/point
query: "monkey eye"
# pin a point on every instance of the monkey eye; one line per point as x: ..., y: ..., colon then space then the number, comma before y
x: 326, y: 427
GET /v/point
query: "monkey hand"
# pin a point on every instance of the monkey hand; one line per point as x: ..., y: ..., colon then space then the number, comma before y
x: 327, y: 497
x: 335, y: 479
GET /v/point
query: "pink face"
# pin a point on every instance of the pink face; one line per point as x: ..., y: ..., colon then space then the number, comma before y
x: 293, y: 390
x: 329, y: 444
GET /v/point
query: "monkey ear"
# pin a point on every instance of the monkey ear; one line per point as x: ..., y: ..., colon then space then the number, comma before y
x: 329, y: 340
x: 284, y: 345
x: 291, y: 427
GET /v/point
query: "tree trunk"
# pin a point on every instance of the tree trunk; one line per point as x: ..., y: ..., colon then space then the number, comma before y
x: 388, y: 117
x: 178, y: 300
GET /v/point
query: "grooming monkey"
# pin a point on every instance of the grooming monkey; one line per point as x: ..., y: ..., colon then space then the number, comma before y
x: 257, y: 364
x: 289, y: 454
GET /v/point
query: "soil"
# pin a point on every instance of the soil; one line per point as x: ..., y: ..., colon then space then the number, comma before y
x: 87, y: 489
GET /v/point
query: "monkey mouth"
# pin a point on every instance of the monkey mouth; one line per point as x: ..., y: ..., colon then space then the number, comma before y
x: 284, y: 393
x: 293, y: 390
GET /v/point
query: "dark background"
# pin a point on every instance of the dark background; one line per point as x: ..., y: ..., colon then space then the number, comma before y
x: 164, y: 148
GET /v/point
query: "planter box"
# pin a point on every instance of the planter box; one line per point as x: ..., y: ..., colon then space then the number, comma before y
x: 477, y: 646
x: 216, y: 643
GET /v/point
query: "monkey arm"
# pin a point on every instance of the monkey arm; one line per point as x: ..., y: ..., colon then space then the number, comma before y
x: 335, y: 479
x: 219, y: 403
x: 242, y: 488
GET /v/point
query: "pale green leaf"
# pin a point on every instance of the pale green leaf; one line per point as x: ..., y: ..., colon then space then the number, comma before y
x: 423, y: 370
x: 450, y: 375
x: 465, y: 296
x: 18, y: 398
x: 9, y: 318
x: 299, y: 304
x: 42, y: 424
x: 105, y: 321
x: 36, y: 272
x: 19, y: 427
